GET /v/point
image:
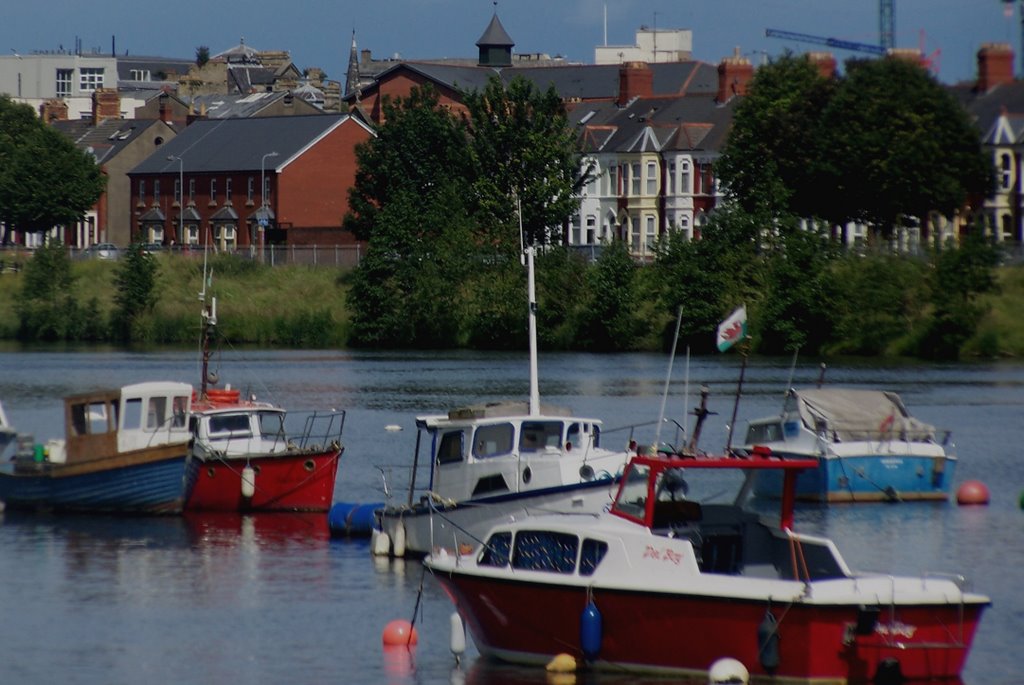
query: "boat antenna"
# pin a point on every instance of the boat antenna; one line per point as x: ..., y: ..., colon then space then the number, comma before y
x: 821, y: 374
x: 668, y: 379
x: 208, y: 319
x: 531, y: 292
x: 686, y: 391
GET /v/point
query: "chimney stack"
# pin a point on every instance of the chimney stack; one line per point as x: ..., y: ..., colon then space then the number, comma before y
x: 734, y: 74
x: 635, y: 80
x: 54, y: 109
x: 995, y: 66
x: 824, y: 62
x: 165, y: 107
x: 106, y: 104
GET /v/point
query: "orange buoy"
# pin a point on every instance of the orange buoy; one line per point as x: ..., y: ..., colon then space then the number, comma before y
x: 972, y: 492
x: 399, y: 632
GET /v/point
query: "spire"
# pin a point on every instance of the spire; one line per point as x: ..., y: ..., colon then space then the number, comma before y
x: 352, y: 75
x: 495, y: 45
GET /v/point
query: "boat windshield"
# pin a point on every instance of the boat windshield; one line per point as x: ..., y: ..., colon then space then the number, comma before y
x: 271, y: 424
x: 632, y: 499
x: 539, y: 435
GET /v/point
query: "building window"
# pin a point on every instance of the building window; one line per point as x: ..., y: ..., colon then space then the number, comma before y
x: 685, y: 186
x: 90, y: 78
x: 250, y: 190
x: 1005, y: 167
x: 652, y: 234
x: 574, y: 230
x: 177, y: 191
x: 156, y: 191
x: 634, y: 233
x: 156, y: 234
x: 613, y: 180
x: 213, y: 190
x: 266, y: 190
x: 591, y: 229
x: 142, y: 192
x: 224, y: 236
x: 652, y: 178
x: 64, y: 77
x: 140, y: 75
x: 192, y: 191
x: 227, y: 191
x: 192, y: 234
x: 634, y: 179
x: 671, y: 178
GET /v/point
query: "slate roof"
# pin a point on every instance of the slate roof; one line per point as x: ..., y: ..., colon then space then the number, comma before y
x: 223, y: 106
x: 495, y: 35
x: 697, y: 124
x: 583, y: 81
x: 219, y: 145
x: 105, y: 140
x: 986, y: 108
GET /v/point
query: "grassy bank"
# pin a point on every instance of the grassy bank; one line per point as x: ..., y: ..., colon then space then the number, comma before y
x: 298, y: 306
x: 293, y: 306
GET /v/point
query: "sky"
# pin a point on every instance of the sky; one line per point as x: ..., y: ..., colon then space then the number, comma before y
x: 319, y: 32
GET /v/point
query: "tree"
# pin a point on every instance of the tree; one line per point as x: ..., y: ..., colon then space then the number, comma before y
x: 135, y: 294
x: 419, y: 148
x: 202, y: 56
x: 46, y: 307
x: 525, y: 160
x: 45, y: 181
x: 901, y: 146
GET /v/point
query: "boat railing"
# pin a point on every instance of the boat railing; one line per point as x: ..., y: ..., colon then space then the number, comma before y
x: 319, y: 430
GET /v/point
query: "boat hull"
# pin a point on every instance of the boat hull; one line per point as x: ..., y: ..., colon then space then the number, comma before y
x: 143, y: 484
x: 283, y: 481
x: 865, y: 478
x: 678, y: 633
x: 462, y: 526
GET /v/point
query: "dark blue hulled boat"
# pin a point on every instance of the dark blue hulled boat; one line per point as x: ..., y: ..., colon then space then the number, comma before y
x: 124, y: 451
x: 867, y: 445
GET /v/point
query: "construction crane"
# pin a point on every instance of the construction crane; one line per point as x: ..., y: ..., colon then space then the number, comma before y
x: 831, y: 42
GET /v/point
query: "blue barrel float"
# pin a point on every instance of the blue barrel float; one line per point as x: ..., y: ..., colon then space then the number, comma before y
x: 353, y: 519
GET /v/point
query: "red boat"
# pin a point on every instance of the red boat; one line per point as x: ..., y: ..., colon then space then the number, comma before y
x: 668, y: 584
x: 248, y: 461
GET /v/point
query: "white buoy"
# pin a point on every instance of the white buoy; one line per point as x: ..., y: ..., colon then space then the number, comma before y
x: 380, y: 543
x: 398, y: 545
x: 458, y: 638
x: 392, y: 428
x: 728, y: 671
x: 248, y: 482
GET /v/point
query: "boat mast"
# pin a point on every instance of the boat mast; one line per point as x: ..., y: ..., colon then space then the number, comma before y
x: 531, y: 295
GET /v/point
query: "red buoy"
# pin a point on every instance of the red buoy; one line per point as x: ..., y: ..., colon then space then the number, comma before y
x: 399, y: 632
x: 972, y: 492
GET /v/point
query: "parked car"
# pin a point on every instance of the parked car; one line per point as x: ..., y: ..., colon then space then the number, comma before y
x: 102, y: 251
x: 153, y: 248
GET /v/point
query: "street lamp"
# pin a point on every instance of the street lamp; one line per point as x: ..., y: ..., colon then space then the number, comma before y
x: 263, y: 218
x: 181, y: 196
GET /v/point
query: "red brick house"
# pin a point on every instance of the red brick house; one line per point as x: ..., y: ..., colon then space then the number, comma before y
x: 235, y: 183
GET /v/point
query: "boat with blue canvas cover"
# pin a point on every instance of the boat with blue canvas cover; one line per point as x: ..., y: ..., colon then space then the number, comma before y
x: 124, y: 450
x: 868, y: 447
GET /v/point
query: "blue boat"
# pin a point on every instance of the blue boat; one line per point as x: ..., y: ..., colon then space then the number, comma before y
x: 124, y: 451
x: 868, y: 447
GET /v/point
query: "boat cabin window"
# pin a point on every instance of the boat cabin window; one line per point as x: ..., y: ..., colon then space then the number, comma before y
x: 490, y: 441
x: 235, y: 424
x: 574, y: 436
x: 271, y: 424
x: 539, y: 435
x: 496, y: 551
x: 449, y: 450
x: 91, y: 418
x: 133, y: 413
x: 632, y: 498
x: 760, y: 433
x: 157, y: 414
x: 591, y: 554
x: 543, y: 550
x: 179, y: 414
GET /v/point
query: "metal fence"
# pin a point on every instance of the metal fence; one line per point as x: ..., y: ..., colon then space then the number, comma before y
x: 13, y: 258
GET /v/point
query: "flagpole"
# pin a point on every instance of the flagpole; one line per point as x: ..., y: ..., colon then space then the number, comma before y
x: 736, y: 404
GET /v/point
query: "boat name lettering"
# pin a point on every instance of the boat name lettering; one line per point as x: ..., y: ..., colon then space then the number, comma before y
x: 651, y: 552
x: 896, y: 629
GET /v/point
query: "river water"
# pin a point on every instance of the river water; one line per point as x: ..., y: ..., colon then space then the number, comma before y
x: 276, y: 599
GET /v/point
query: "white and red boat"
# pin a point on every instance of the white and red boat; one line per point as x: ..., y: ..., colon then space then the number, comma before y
x: 248, y: 460
x: 668, y: 584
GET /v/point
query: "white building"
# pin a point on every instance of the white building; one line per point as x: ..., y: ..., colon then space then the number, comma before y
x: 652, y: 45
x: 33, y: 79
